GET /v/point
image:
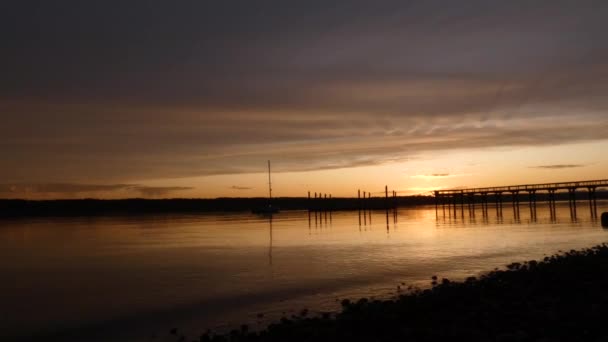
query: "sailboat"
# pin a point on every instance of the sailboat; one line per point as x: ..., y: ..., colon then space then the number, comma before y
x: 268, y: 209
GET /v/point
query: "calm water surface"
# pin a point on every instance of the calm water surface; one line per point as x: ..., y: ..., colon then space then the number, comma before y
x: 134, y: 278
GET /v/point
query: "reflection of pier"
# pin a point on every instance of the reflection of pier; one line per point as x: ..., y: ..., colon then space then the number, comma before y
x: 321, y: 204
x: 474, y: 197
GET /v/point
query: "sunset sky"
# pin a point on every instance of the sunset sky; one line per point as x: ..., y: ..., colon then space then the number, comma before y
x: 153, y: 98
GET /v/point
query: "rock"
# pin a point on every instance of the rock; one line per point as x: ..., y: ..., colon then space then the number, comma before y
x: 516, y: 336
x: 605, y: 219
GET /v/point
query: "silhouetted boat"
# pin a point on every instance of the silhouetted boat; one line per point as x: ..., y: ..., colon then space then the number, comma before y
x: 265, y: 210
x: 268, y: 209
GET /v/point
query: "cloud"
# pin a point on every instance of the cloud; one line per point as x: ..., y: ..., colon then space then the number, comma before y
x: 273, y: 55
x: 558, y: 166
x: 434, y: 175
x: 106, y: 152
x: 157, y: 191
x: 236, y: 187
x: 219, y: 87
x: 440, y: 175
x: 57, y: 190
x: 61, y: 188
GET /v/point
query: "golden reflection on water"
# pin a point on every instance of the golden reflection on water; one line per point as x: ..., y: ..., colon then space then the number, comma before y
x: 207, y: 270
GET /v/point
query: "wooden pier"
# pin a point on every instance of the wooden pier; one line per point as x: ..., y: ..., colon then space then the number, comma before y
x: 471, y: 197
x: 364, y: 201
x: 321, y: 204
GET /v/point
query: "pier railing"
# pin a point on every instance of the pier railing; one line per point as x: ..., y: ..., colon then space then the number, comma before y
x: 457, y: 197
x: 527, y: 187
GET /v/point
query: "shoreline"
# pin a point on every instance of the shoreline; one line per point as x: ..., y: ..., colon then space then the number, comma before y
x: 138, y: 206
x: 559, y: 298
x: 11, y: 208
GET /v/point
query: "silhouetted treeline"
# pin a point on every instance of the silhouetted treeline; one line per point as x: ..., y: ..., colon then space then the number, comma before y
x: 88, y: 207
x: 560, y: 298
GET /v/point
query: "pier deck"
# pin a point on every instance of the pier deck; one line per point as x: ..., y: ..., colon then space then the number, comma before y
x: 472, y: 196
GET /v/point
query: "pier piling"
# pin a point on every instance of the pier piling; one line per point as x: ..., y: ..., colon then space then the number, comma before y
x: 450, y: 198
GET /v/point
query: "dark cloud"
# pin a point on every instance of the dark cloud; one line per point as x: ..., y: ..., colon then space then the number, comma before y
x: 440, y: 175
x: 558, y: 166
x: 270, y: 54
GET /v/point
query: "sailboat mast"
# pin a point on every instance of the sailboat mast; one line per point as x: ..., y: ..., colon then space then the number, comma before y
x: 269, y: 183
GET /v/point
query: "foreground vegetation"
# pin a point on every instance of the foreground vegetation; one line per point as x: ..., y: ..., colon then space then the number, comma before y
x: 561, y: 298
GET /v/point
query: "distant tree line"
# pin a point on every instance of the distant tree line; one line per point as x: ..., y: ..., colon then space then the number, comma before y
x: 95, y: 207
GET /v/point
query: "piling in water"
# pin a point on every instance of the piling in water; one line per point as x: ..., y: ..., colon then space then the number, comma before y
x: 604, y: 219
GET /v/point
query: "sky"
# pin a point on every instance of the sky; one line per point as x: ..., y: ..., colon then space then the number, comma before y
x: 115, y: 99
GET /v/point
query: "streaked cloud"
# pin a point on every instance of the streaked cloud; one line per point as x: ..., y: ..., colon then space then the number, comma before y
x: 159, y: 191
x: 57, y: 190
x: 558, y: 166
x: 440, y: 175
x: 236, y: 187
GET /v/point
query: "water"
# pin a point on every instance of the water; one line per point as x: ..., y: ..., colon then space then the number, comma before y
x: 134, y: 278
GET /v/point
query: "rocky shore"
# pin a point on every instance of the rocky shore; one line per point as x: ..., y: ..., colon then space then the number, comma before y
x: 560, y: 298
